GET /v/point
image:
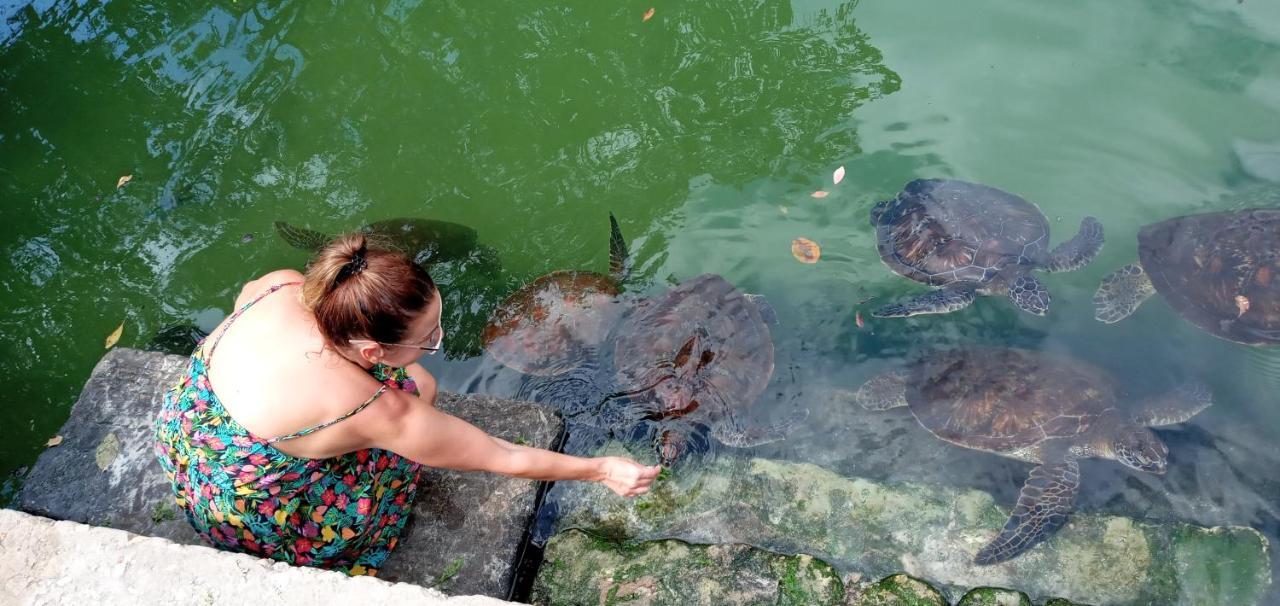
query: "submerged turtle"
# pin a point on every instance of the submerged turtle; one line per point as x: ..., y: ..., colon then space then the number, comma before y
x: 430, y: 241
x: 694, y: 357
x: 1036, y: 407
x: 686, y: 358
x: 968, y: 239
x: 1220, y: 271
x: 552, y: 324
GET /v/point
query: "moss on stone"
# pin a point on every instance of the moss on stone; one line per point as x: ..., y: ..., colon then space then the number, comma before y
x: 877, y: 528
x: 994, y: 596
x: 1063, y: 602
x: 898, y: 590
x: 580, y: 569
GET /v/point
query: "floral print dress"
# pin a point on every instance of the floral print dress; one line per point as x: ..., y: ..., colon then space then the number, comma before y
x: 242, y: 494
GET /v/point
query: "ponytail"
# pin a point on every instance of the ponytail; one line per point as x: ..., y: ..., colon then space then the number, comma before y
x: 360, y: 289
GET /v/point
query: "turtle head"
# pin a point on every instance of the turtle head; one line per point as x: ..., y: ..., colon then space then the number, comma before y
x: 1140, y: 448
x: 878, y: 210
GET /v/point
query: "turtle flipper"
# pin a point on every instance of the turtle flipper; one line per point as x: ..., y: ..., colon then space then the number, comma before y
x: 767, y: 313
x: 883, y: 392
x: 728, y: 432
x: 943, y: 300
x: 1079, y: 250
x: 1030, y: 295
x: 1174, y: 407
x: 1046, y: 500
x: 301, y: 237
x: 1121, y: 292
x: 618, y: 256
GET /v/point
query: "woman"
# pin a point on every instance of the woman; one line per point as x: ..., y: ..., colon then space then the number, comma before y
x: 302, y: 422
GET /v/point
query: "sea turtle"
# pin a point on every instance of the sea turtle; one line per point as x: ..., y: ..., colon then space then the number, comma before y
x: 430, y: 241
x: 1037, y: 407
x: 969, y: 239
x: 694, y: 357
x: 687, y: 357
x: 1220, y: 271
x: 552, y: 324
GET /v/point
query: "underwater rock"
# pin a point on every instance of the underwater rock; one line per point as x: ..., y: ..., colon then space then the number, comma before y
x: 876, y: 529
x: 993, y: 596
x: 580, y: 569
x: 896, y: 590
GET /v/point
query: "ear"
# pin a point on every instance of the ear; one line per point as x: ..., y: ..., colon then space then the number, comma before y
x: 370, y: 352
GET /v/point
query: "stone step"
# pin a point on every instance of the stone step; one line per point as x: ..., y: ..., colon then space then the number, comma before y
x: 869, y: 529
x: 467, y: 533
x: 44, y: 561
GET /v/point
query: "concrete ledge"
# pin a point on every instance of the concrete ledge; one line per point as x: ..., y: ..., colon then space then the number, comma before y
x: 467, y: 533
x: 48, y: 562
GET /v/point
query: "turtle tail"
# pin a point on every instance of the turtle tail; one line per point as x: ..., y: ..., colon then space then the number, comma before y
x: 301, y: 237
x: 618, y: 256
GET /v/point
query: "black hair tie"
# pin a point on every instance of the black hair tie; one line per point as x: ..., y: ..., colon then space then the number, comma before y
x: 352, y: 267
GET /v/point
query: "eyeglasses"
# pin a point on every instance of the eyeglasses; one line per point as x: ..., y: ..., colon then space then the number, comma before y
x: 430, y: 349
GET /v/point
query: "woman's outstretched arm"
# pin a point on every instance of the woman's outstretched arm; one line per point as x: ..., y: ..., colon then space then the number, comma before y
x: 413, y: 427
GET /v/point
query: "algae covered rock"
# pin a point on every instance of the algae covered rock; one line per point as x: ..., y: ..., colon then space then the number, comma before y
x: 580, y: 569
x: 897, y: 590
x: 993, y: 596
x: 876, y: 529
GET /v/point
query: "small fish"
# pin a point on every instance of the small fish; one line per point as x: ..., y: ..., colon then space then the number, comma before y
x: 857, y: 319
x: 647, y: 15
x: 783, y: 210
x: 123, y: 180
x: 1242, y: 305
x: 819, y: 194
x: 837, y: 176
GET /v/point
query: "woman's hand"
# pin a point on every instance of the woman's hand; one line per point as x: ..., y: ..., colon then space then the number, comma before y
x: 626, y: 477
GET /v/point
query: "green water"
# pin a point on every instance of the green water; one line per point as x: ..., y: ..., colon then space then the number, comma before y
x: 704, y: 130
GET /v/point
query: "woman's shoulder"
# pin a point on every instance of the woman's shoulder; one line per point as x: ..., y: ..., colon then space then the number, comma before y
x: 257, y: 286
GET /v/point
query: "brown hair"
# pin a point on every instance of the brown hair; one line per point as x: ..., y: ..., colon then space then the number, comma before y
x: 359, y: 289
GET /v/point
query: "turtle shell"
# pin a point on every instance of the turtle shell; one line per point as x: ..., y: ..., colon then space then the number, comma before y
x: 553, y: 323
x: 1002, y: 400
x: 699, y: 349
x: 1220, y: 271
x: 938, y: 231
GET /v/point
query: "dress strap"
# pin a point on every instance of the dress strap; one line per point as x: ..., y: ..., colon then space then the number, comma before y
x: 208, y: 358
x: 315, y: 428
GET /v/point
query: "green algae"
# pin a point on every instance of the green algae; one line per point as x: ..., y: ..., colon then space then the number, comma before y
x: 994, y: 596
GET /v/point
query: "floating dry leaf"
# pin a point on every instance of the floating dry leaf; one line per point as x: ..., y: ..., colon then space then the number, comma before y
x: 857, y: 318
x: 805, y: 250
x: 122, y: 180
x: 107, y: 451
x: 819, y: 194
x: 114, y: 337
x: 1242, y: 305
x: 54, y: 441
x: 837, y: 176
x: 647, y: 15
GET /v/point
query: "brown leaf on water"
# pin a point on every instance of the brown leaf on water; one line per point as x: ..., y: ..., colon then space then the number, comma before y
x: 819, y: 194
x: 54, y: 441
x: 647, y: 15
x: 107, y: 451
x: 805, y: 250
x: 1242, y: 305
x: 114, y: 337
x: 123, y: 180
